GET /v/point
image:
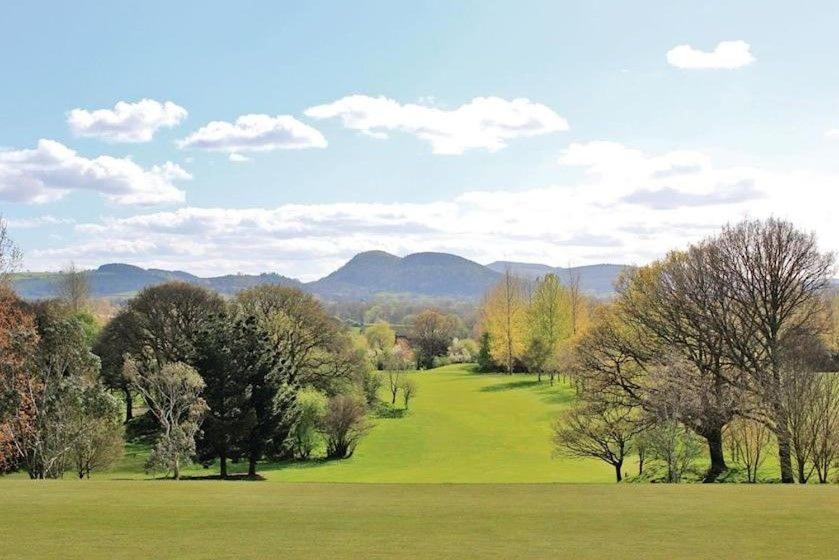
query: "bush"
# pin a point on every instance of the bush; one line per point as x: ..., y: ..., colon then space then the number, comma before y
x: 343, y: 425
x: 440, y: 361
x: 463, y: 351
x: 371, y: 383
x: 305, y: 437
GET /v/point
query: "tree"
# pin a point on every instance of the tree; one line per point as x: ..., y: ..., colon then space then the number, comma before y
x: 229, y: 416
x: 173, y: 393
x: 100, y: 443
x: 9, y: 255
x: 409, y: 391
x: 484, y: 357
x: 674, y: 446
x: 118, y: 337
x: 826, y: 425
x: 463, y: 351
x: 595, y: 430
x: 371, y: 384
x: 312, y: 405
x: 343, y: 426
x: 431, y: 334
x: 74, y: 288
x: 770, y: 278
x: 748, y: 440
x: 317, y: 349
x: 394, y: 382
x: 380, y: 340
x: 550, y: 321
x: 504, y: 318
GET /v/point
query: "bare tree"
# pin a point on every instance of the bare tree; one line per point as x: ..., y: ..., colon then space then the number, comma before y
x: 770, y: 278
x: 343, y: 425
x: 826, y: 425
x: 394, y: 382
x: 74, y: 287
x: 409, y: 391
x: 674, y: 446
x: 598, y: 431
x: 748, y: 440
x: 9, y: 254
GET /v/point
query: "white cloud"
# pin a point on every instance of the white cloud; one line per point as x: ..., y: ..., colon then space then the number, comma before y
x: 39, y: 221
x: 630, y: 207
x: 255, y: 133
x: 833, y: 133
x: 727, y: 55
x: 126, y: 122
x: 238, y: 158
x: 51, y: 170
x: 485, y: 122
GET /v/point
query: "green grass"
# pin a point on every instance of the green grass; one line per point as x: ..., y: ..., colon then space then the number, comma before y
x: 462, y: 427
x: 243, y: 520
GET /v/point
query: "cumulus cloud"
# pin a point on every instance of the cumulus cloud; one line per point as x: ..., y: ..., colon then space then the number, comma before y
x: 726, y: 55
x: 238, y: 158
x: 126, y: 122
x: 487, y: 123
x: 630, y: 207
x: 51, y: 170
x: 255, y: 133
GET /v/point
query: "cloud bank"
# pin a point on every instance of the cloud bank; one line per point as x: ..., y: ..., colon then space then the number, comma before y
x: 630, y: 207
x: 487, y: 123
x: 52, y: 170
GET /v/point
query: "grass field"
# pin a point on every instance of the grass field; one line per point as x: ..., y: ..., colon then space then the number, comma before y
x: 462, y: 427
x: 192, y: 519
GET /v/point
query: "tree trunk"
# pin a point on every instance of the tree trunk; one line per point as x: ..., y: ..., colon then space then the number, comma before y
x: 785, y: 459
x: 715, y: 449
x: 618, y: 474
x: 177, y: 470
x: 129, y: 405
x: 252, y: 466
x: 223, y: 466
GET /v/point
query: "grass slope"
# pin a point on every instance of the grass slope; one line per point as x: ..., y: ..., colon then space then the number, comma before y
x: 196, y: 520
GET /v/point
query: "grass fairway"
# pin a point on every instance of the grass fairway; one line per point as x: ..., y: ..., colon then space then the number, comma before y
x: 462, y: 427
x: 157, y: 519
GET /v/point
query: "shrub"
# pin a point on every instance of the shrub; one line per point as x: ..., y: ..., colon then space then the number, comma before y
x: 343, y: 425
x: 305, y: 437
x: 371, y: 383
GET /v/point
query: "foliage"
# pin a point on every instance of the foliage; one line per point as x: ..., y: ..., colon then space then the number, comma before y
x: 409, y: 390
x: 343, y: 425
x: 380, y: 341
x: 173, y: 393
x: 431, y: 334
x: 484, y: 357
x: 462, y: 351
x: 672, y: 446
x: 504, y: 317
x: 372, y: 382
x: 100, y: 441
x: 306, y: 437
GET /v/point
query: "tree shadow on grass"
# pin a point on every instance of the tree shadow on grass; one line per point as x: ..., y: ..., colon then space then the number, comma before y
x: 230, y: 477
x: 510, y: 386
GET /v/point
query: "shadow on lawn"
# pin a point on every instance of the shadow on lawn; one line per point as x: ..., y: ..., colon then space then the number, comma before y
x: 510, y: 386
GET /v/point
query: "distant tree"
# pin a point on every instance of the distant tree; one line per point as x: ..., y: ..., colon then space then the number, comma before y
x: 117, y: 339
x: 343, y: 425
x: 380, y: 340
x: 462, y: 351
x: 409, y: 391
x: 484, y: 357
x: 394, y: 382
x: 371, y: 384
x: 173, y: 394
x: 74, y: 288
x: 592, y: 430
x: 504, y: 316
x: 549, y: 322
x: 431, y: 334
x: 826, y: 426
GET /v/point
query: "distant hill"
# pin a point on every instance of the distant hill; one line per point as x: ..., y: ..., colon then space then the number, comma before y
x: 119, y: 280
x: 430, y: 274
x: 596, y: 279
x: 437, y: 275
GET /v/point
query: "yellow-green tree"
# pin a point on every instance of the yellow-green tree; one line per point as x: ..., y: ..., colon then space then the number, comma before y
x: 550, y: 322
x: 505, y: 319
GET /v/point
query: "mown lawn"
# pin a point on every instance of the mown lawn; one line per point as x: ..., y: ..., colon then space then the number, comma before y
x: 244, y: 520
x: 462, y: 427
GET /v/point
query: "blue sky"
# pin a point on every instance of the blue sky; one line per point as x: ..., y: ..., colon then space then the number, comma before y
x: 656, y: 152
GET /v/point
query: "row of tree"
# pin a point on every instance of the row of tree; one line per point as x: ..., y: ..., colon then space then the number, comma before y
x: 728, y: 342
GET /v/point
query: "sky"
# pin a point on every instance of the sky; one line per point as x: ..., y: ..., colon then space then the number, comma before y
x: 220, y: 137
